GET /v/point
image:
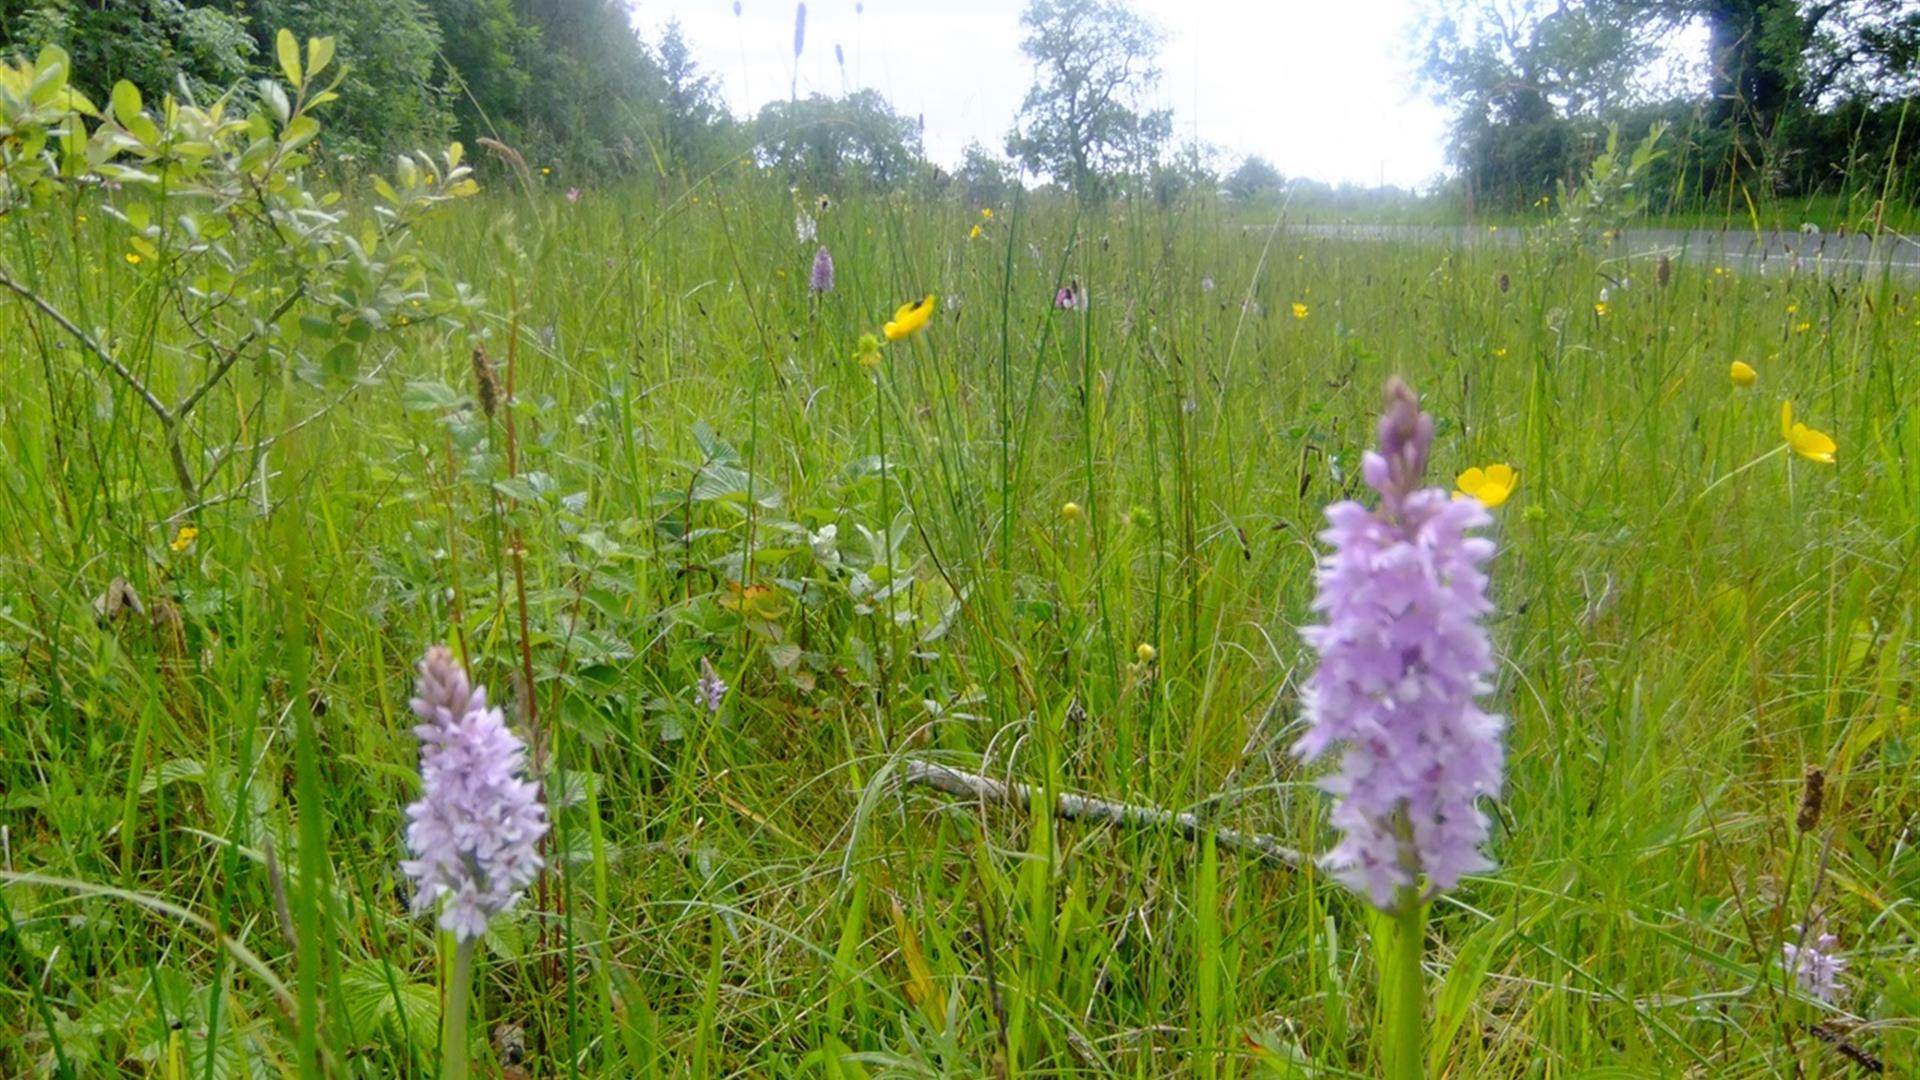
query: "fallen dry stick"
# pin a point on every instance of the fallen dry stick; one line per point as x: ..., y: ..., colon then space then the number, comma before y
x: 1085, y: 808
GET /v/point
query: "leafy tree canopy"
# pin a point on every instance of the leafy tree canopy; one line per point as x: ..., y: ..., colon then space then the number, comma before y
x: 1082, y: 120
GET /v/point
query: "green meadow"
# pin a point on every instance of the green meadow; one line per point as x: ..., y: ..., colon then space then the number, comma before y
x: 1071, y: 548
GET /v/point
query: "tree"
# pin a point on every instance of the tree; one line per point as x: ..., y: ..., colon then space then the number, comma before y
x: 597, y: 90
x: 1530, y: 81
x: 983, y: 175
x: 388, y: 50
x: 1081, y: 119
x: 143, y: 42
x: 695, y: 113
x: 1255, y: 178
x: 1797, y: 92
x: 481, y: 42
x: 831, y: 143
x: 1192, y: 167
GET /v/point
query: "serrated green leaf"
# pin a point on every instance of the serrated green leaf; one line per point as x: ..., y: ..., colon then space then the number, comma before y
x: 426, y: 396
x: 173, y: 772
x: 380, y: 997
x: 517, y: 489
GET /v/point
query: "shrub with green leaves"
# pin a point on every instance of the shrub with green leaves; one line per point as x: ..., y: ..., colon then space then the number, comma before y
x: 170, y: 246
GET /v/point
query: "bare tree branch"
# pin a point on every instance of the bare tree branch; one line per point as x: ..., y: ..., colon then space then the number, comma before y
x: 1069, y: 807
x: 107, y: 359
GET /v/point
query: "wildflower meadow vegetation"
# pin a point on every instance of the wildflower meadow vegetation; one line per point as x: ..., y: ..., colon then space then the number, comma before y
x: 491, y: 623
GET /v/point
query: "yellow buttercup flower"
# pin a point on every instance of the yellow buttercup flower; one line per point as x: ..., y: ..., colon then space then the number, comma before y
x: 1070, y: 511
x: 1600, y: 308
x: 987, y: 212
x: 1742, y: 374
x: 1490, y: 485
x: 1146, y: 652
x: 1805, y: 441
x: 974, y: 234
x: 183, y: 539
x: 1299, y: 311
x: 1500, y: 353
x: 133, y: 258
x: 909, y: 318
x: 1803, y: 328
x: 867, y: 352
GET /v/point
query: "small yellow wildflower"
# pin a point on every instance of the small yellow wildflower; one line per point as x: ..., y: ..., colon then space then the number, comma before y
x: 909, y: 318
x: 974, y: 233
x: 1803, y: 328
x: 133, y: 258
x: 1742, y: 374
x: 1490, y: 485
x: 1500, y: 353
x: 1600, y: 308
x: 183, y: 539
x: 1791, y: 308
x: 1805, y: 441
x: 1299, y: 310
x: 868, y: 351
x: 1146, y: 653
x: 82, y: 219
x: 1070, y: 511
x: 546, y: 170
x: 986, y: 212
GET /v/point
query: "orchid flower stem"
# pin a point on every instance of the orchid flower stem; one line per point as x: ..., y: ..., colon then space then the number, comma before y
x: 453, y: 1034
x: 1406, y: 992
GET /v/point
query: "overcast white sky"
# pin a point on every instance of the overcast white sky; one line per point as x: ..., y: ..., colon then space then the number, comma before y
x: 1321, y: 88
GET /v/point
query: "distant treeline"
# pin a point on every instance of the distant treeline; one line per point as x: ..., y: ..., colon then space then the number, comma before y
x: 566, y: 82
x: 1760, y: 98
x: 570, y: 84
x: 1784, y: 99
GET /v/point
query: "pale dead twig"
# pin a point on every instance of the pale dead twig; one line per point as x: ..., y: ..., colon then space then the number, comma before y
x: 1069, y: 807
